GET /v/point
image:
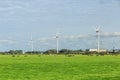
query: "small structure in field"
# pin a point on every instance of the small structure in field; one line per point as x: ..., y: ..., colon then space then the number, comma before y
x: 96, y: 50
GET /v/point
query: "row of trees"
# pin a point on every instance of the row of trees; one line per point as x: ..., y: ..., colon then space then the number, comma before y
x: 13, y: 52
x: 64, y: 51
x: 53, y: 51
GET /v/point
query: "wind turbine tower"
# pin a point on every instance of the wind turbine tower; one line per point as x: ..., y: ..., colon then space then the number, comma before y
x: 57, y: 42
x: 98, y: 39
x: 31, y: 42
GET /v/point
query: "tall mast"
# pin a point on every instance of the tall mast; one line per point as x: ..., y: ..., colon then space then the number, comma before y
x: 98, y: 39
x: 57, y: 43
x: 31, y: 41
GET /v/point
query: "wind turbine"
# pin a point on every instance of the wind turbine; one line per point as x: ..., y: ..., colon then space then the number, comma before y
x: 31, y: 43
x: 98, y: 39
x: 57, y: 42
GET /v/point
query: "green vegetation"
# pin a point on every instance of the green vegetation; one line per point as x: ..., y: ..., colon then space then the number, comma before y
x: 59, y: 67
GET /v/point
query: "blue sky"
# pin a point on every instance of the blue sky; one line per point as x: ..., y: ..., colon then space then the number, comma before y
x: 43, y: 18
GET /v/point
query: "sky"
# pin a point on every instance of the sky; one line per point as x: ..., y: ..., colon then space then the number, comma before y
x: 74, y: 20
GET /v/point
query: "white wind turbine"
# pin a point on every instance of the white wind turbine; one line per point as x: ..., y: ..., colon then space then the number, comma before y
x: 57, y: 42
x: 31, y: 43
x: 98, y: 39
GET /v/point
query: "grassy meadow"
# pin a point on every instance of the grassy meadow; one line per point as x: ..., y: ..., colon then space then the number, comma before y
x: 59, y: 67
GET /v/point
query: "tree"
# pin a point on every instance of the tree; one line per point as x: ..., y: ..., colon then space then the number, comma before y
x: 51, y: 51
x: 65, y: 51
x: 15, y: 52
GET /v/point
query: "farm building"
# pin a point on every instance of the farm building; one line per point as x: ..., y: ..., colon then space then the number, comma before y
x: 95, y: 50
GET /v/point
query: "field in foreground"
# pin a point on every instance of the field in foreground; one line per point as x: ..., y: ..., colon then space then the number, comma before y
x: 59, y: 67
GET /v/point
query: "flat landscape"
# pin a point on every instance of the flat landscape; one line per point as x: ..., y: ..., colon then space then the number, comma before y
x: 59, y: 67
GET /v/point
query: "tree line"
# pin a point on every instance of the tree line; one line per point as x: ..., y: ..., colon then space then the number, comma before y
x: 50, y: 51
x: 62, y: 51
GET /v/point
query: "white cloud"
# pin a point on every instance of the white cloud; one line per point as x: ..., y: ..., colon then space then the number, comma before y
x: 107, y: 34
x: 8, y: 41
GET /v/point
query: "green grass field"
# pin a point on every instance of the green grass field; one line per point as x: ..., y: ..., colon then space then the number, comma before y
x: 59, y: 67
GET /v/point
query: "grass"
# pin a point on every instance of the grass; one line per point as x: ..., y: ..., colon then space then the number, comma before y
x: 59, y: 67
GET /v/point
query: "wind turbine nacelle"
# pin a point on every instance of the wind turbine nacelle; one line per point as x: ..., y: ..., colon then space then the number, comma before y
x: 97, y: 30
x: 57, y: 36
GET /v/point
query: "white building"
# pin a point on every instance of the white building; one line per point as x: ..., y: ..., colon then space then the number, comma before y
x: 95, y: 50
